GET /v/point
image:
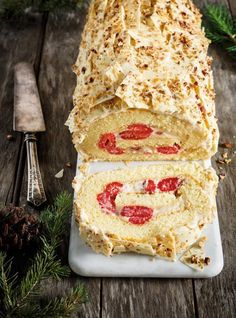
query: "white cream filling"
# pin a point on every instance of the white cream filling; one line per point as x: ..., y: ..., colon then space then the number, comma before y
x: 139, y: 187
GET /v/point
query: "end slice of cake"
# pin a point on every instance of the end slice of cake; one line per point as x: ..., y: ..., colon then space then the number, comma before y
x: 144, y: 84
x: 153, y: 209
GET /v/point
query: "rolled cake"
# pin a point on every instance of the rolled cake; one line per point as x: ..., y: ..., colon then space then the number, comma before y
x: 153, y: 209
x: 144, y: 83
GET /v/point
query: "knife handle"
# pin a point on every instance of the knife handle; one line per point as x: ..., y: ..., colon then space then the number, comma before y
x: 35, y: 192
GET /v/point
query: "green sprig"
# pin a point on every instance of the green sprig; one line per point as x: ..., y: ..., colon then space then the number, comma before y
x: 7, y: 282
x: 65, y: 306
x: 55, y: 219
x: 45, y: 265
x: 15, y: 8
x: 22, y: 297
x: 220, y: 27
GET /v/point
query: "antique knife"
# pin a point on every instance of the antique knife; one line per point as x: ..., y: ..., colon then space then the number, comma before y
x: 28, y: 118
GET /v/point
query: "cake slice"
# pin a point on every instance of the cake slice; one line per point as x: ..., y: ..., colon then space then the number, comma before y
x: 144, y: 83
x: 153, y: 209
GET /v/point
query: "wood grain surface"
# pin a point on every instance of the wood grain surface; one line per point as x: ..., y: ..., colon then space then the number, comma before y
x: 51, y: 43
x: 217, y: 296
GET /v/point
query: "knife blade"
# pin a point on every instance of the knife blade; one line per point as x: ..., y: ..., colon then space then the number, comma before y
x: 28, y: 115
x: 28, y: 118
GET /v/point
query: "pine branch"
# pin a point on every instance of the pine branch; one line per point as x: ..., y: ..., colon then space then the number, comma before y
x: 54, y: 308
x: 220, y: 27
x: 31, y: 309
x: 65, y: 306
x: 220, y: 17
x: 44, y: 266
x: 52, y: 5
x: 29, y: 286
x: 7, y: 282
x: 231, y: 49
x: 10, y: 8
x: 55, y: 219
x: 214, y: 37
x: 16, y: 8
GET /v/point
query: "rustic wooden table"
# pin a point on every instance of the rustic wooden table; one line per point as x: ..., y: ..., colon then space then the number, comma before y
x: 51, y: 42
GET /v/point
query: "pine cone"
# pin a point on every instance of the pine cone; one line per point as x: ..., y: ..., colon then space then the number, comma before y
x: 17, y: 228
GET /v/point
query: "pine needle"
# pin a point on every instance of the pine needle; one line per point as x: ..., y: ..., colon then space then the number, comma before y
x: 220, y: 17
x: 55, y: 219
x: 31, y: 309
x: 7, y: 281
x: 10, y: 8
x: 232, y: 49
x: 29, y: 286
x: 16, y: 8
x: 65, y: 306
x: 220, y: 27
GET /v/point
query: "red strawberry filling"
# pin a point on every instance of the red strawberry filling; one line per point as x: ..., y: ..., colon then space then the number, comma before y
x: 108, y: 141
x: 169, y: 184
x: 149, y: 186
x: 106, y: 202
x: 168, y: 150
x: 136, y: 132
x: 139, y: 131
x: 136, y: 214
x: 113, y: 188
x: 106, y: 199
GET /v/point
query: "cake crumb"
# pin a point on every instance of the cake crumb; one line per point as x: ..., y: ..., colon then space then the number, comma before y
x: 68, y: 165
x: 10, y: 137
x: 194, y: 257
x: 227, y: 145
x: 222, y: 176
x: 207, y: 260
x: 227, y: 161
x: 84, y: 167
x: 59, y: 174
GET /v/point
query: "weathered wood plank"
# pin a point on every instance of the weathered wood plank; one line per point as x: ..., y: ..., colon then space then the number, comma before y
x: 216, y: 297
x: 220, y: 291
x: 56, y: 84
x: 92, y: 308
x: 138, y: 298
x: 232, y: 4
x: 19, y: 40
